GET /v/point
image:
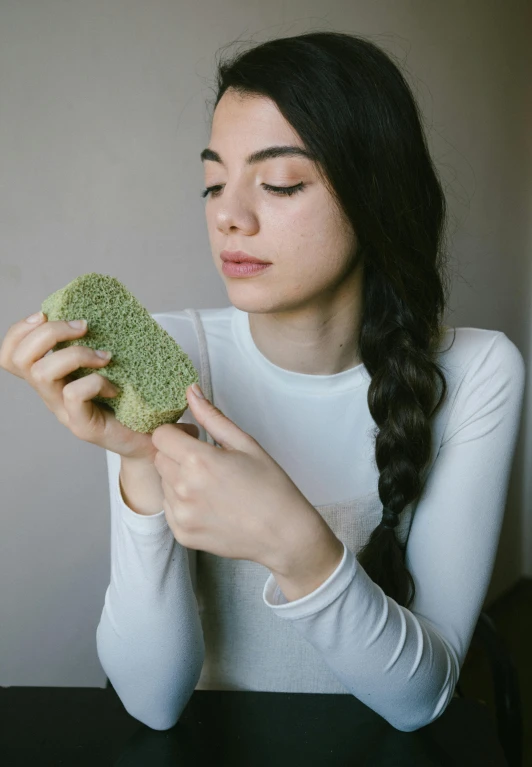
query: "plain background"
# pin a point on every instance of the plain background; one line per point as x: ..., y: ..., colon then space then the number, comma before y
x: 104, y: 109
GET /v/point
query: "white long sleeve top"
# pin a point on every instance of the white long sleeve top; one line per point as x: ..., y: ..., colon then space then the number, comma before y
x: 176, y: 620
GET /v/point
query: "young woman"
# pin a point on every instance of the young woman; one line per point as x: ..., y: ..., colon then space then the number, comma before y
x: 397, y: 431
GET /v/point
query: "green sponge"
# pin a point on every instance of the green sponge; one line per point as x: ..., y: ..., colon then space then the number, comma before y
x: 151, y: 370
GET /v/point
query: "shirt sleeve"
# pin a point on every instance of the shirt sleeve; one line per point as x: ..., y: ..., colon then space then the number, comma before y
x: 405, y: 663
x: 149, y: 638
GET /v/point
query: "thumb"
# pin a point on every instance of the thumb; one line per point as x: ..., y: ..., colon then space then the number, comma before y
x: 222, y: 429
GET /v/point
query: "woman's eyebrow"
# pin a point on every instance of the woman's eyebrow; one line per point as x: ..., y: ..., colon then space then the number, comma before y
x: 261, y: 154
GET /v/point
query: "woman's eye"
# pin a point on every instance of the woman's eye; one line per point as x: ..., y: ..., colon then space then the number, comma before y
x: 282, y: 190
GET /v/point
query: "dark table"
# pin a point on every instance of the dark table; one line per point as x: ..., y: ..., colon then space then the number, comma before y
x: 89, y: 727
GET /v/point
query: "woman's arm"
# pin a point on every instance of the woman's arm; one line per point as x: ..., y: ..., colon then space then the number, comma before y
x: 404, y: 663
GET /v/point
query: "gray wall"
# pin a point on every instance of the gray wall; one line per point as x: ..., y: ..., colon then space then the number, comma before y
x: 103, y: 114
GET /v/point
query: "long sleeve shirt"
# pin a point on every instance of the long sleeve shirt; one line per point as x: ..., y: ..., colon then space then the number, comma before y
x: 177, y: 619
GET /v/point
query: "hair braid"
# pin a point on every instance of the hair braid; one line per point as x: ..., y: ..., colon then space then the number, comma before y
x: 400, y: 360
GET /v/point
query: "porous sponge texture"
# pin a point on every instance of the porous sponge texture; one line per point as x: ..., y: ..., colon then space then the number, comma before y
x: 151, y: 370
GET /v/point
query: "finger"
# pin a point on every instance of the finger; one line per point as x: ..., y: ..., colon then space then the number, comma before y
x: 15, y: 334
x: 166, y: 439
x: 85, y: 419
x: 26, y: 347
x: 53, y: 373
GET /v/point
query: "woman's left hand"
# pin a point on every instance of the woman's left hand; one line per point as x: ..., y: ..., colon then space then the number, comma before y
x: 234, y: 501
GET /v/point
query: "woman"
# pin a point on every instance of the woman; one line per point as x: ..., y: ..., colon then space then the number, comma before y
x: 337, y: 341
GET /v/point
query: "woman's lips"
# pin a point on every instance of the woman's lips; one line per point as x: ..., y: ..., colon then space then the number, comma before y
x: 241, y: 256
x: 244, y: 269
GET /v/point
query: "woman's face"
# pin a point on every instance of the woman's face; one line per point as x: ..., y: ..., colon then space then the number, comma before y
x: 309, y: 242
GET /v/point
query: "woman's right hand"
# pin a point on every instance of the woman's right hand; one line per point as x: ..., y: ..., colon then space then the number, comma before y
x: 24, y: 353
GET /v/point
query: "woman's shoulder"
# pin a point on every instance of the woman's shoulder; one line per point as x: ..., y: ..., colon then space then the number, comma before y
x: 472, y: 352
x: 486, y: 375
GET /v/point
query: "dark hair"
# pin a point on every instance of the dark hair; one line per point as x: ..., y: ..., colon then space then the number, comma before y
x: 355, y: 112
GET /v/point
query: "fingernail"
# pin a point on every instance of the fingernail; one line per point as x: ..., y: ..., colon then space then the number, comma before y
x: 35, y: 318
x: 197, y: 391
x: 78, y: 323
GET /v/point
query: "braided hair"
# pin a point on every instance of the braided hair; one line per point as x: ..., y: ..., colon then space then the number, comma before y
x: 354, y: 111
